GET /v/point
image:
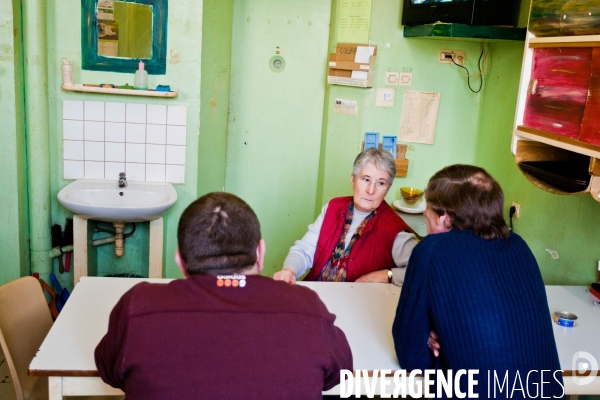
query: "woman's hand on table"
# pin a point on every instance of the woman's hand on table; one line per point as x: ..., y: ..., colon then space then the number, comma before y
x: 286, y: 275
x: 433, y: 343
x: 380, y: 276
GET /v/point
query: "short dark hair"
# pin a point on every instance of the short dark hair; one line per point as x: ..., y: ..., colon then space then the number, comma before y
x: 471, y: 198
x: 218, y: 234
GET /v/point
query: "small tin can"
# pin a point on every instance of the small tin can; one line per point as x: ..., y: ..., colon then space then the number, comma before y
x: 565, y: 318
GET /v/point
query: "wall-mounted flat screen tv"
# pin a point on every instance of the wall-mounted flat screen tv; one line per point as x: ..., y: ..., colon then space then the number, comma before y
x: 470, y: 12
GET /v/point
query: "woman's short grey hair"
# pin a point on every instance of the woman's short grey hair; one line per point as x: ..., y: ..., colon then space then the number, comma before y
x: 382, y: 159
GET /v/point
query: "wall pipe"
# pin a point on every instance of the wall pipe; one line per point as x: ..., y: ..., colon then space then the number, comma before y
x: 38, y: 138
x: 101, y: 242
x: 59, y: 251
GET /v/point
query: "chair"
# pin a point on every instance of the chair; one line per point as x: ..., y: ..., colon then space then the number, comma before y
x: 24, y: 322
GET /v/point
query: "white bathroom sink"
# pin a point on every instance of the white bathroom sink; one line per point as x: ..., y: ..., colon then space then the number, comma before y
x: 104, y: 200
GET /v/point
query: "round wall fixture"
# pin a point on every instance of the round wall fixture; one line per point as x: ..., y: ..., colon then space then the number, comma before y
x: 277, y: 64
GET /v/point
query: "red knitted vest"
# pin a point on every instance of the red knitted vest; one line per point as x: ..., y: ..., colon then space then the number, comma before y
x: 372, y: 252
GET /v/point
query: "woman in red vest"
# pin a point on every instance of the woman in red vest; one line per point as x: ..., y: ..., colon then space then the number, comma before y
x: 355, y: 238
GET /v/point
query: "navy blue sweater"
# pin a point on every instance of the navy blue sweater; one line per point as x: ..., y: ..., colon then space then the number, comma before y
x: 487, y: 302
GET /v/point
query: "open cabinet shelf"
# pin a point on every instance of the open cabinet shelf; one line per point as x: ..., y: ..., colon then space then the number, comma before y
x: 559, y: 141
x: 558, y: 156
x: 557, y: 170
x: 564, y: 41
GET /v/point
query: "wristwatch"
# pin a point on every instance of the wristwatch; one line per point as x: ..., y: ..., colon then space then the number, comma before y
x: 390, y: 276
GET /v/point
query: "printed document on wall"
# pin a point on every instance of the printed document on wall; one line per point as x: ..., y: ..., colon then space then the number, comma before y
x: 355, y: 20
x: 419, y: 116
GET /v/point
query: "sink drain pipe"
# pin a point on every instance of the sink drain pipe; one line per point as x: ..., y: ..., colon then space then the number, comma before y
x: 118, y: 239
x: 58, y: 251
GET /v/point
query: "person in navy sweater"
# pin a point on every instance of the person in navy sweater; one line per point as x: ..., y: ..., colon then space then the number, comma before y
x: 225, y: 331
x: 473, y: 297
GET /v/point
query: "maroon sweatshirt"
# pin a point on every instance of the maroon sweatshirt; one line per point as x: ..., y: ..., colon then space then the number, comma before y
x: 194, y: 339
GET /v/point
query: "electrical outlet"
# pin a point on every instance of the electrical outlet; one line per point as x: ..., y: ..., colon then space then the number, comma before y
x: 446, y: 56
x: 517, y: 207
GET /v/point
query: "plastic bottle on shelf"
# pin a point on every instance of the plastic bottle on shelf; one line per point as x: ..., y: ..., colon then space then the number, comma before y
x: 67, y: 72
x: 141, y: 77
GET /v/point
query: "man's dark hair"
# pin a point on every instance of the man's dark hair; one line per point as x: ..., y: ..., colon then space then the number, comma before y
x: 472, y: 199
x: 218, y: 234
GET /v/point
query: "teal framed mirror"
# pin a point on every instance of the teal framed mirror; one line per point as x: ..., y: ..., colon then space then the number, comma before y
x: 117, y: 34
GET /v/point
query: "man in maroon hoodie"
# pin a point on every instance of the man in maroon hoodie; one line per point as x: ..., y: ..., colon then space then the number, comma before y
x: 225, y: 331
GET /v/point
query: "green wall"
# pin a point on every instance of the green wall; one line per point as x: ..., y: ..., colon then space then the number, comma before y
x: 458, y: 113
x: 203, y: 55
x: 214, y: 96
x: 471, y: 128
x: 61, y: 37
x: 565, y: 224
x: 275, y: 119
x: 184, y: 43
x: 14, y: 235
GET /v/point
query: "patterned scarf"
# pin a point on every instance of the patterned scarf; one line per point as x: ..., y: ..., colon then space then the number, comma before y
x: 335, y: 269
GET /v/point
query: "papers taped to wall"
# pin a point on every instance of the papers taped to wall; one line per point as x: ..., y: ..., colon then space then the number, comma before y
x: 352, y: 65
x: 419, y: 116
x: 348, y: 107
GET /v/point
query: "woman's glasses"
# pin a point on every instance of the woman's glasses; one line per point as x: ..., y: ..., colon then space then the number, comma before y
x: 365, y: 182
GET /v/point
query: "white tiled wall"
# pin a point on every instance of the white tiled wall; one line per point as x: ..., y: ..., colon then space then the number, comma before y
x: 146, y: 141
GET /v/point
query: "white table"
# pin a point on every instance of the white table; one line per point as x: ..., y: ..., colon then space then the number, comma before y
x: 364, y: 311
x: 585, y: 336
x: 415, y: 221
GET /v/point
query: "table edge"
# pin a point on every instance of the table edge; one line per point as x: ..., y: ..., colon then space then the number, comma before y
x: 54, y: 372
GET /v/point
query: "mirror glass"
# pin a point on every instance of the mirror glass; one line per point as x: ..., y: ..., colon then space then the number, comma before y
x: 124, y: 29
x: 116, y: 34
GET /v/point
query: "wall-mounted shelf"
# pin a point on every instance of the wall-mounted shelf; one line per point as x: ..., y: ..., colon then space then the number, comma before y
x: 556, y: 169
x: 553, y: 150
x: 477, y: 33
x: 129, y: 92
x: 565, y: 41
x: 559, y: 141
x: 346, y: 68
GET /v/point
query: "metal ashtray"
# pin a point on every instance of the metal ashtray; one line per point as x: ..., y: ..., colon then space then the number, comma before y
x: 565, y: 318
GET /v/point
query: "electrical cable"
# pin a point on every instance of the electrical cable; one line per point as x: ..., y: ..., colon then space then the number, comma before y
x: 126, y: 235
x: 479, y: 75
x: 99, y: 229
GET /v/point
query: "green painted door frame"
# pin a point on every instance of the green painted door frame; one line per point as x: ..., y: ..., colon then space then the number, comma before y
x: 14, y: 234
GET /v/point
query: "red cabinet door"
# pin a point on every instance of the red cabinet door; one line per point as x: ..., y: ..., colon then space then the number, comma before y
x: 560, y: 79
x: 590, y: 127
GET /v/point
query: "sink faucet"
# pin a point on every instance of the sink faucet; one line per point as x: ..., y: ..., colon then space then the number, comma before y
x: 122, y: 180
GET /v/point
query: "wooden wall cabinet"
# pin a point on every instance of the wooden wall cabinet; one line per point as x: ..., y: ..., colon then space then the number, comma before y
x: 557, y: 124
